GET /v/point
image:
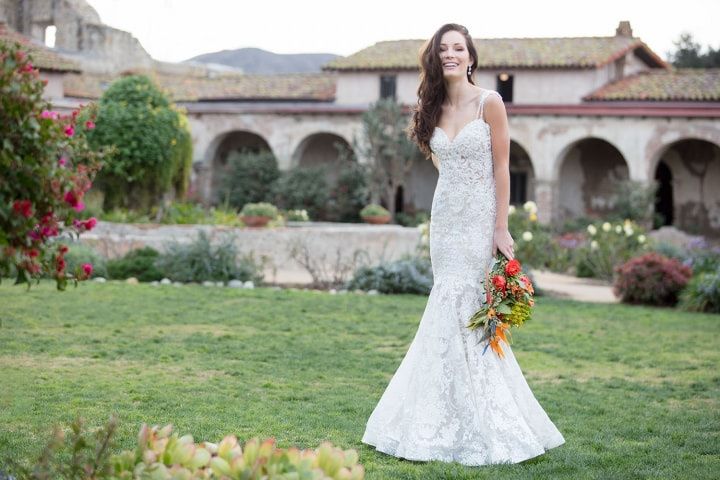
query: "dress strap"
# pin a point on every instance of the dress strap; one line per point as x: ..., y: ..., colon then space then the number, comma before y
x: 483, y: 97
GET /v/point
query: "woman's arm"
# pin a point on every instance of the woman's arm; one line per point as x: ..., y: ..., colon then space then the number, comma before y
x: 496, y: 117
x: 435, y: 161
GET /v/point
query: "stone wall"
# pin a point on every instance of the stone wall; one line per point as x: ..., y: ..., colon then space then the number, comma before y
x: 388, y: 242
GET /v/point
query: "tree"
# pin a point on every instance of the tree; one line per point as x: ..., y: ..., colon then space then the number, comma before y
x: 46, y: 166
x: 391, y: 153
x: 153, y: 142
x: 687, y: 54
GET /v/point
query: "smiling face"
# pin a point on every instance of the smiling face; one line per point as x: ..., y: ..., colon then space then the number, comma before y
x: 454, y: 55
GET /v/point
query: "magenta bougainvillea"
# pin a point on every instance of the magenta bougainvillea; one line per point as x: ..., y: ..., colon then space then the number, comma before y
x: 46, y: 166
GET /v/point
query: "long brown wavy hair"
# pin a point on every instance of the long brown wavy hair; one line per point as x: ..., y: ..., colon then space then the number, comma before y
x: 431, y: 92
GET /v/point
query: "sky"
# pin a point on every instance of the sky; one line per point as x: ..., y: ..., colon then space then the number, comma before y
x: 175, y: 30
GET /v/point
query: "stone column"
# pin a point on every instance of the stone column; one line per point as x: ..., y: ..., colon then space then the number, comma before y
x: 546, y: 197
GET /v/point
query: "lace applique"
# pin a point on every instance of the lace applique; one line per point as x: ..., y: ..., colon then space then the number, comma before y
x: 447, y: 401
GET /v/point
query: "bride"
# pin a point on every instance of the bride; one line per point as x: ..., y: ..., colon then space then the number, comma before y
x: 447, y: 401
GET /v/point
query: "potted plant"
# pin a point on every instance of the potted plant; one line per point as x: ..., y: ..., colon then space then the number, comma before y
x: 375, y: 213
x: 258, y: 214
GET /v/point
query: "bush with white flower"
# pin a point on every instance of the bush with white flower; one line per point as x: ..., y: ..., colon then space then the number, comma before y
x: 608, y: 245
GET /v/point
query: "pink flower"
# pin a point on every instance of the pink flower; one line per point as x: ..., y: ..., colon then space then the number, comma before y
x: 23, y: 207
x: 69, y: 130
x: 87, y: 268
x: 28, y: 67
x: 62, y: 161
x: 90, y: 223
x: 71, y: 198
x: 49, y: 114
x: 79, y: 207
x: 89, y: 124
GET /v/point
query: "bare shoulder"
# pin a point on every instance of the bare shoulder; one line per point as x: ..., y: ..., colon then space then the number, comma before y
x: 494, y: 106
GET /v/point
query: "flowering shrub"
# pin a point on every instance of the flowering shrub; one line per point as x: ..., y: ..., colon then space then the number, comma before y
x: 163, y: 455
x: 153, y: 141
x: 46, y: 166
x: 534, y: 242
x: 607, y: 245
x: 702, y: 294
x: 651, y: 279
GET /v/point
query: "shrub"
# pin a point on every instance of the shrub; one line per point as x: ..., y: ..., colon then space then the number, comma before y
x: 163, y: 455
x: 139, y: 263
x: 303, y: 188
x: 374, y: 210
x: 701, y: 257
x: 651, y: 279
x: 184, y: 213
x: 634, y: 201
x: 350, y: 193
x: 606, y: 246
x: 249, y: 177
x: 80, y: 254
x: 46, y: 167
x: 702, y: 294
x: 412, y: 219
x: 297, y: 216
x: 409, y: 275
x: 152, y: 139
x: 262, y: 209
x: 199, y: 261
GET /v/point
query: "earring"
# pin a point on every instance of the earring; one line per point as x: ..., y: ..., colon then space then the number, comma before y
x: 469, y: 70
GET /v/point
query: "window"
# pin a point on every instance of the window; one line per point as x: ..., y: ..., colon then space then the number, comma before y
x: 50, y: 32
x: 387, y: 86
x: 504, y: 83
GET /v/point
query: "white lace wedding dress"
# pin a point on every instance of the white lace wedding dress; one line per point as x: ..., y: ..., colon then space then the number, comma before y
x: 447, y: 401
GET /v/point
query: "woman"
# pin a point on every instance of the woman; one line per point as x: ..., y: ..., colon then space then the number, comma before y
x: 447, y: 401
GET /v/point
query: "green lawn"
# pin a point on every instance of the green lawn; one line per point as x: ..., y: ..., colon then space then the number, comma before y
x: 635, y: 391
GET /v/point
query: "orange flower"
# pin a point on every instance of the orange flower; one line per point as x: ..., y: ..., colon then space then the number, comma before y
x: 495, y: 346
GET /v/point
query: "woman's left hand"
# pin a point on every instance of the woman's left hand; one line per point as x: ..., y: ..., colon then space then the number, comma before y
x: 503, y: 242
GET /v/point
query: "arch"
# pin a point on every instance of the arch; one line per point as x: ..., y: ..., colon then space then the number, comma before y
x: 321, y: 149
x: 522, y: 174
x: 220, y: 148
x: 689, y: 168
x: 587, y: 172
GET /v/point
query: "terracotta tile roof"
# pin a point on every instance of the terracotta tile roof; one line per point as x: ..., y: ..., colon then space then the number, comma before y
x: 563, y: 52
x: 43, y: 57
x: 298, y: 87
x: 686, y: 84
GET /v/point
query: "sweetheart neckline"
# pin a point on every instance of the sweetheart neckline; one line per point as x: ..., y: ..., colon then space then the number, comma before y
x: 461, y: 130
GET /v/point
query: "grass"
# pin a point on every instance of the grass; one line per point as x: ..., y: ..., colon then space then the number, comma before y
x: 635, y: 391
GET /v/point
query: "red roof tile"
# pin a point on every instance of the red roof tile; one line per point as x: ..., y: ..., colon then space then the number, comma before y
x: 687, y: 84
x: 562, y: 52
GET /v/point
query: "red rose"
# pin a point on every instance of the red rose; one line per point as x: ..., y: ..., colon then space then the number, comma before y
x: 87, y: 268
x: 499, y: 282
x: 90, y: 223
x: 513, y: 267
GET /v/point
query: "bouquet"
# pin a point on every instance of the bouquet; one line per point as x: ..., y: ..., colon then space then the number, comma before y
x: 509, y: 296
